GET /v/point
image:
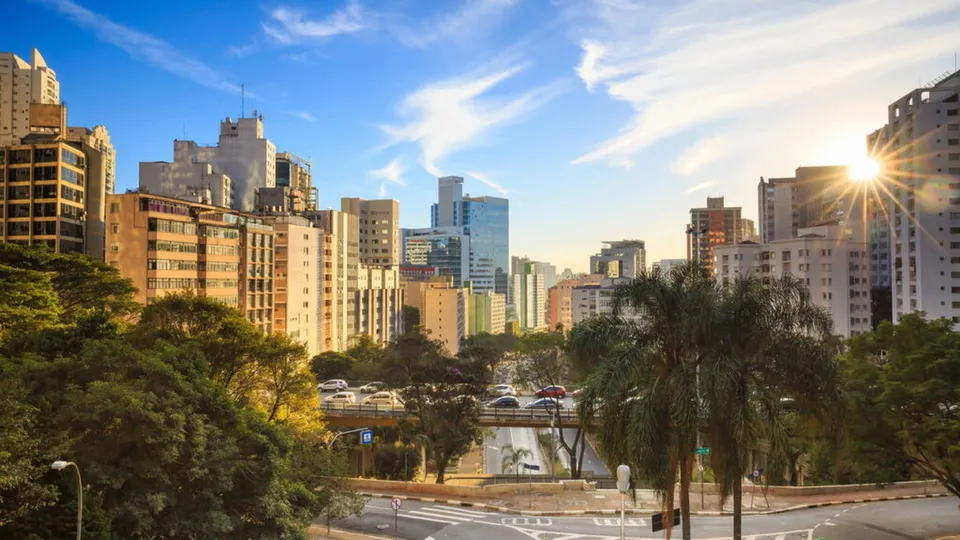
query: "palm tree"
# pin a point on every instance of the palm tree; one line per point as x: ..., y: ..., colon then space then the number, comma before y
x: 512, y: 457
x: 773, y: 346
x: 644, y: 383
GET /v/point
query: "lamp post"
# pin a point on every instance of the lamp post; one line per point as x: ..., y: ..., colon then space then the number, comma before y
x: 59, y: 466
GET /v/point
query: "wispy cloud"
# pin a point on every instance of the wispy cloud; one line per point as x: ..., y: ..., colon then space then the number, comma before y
x: 241, y: 51
x: 144, y: 46
x: 705, y: 62
x: 703, y: 152
x: 485, y: 179
x: 304, y: 115
x: 391, y: 172
x: 473, y: 16
x: 445, y: 117
x: 290, y: 25
x: 700, y: 186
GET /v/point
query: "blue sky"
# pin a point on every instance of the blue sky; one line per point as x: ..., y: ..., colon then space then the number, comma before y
x: 599, y: 119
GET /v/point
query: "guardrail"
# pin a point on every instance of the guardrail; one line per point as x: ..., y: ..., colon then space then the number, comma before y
x: 490, y: 416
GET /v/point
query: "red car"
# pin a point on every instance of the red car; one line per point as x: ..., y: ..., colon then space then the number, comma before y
x: 558, y: 392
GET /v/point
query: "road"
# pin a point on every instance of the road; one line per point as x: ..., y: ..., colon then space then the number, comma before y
x: 895, y: 520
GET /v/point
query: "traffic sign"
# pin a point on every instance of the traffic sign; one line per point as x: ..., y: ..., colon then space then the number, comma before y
x: 366, y: 437
x: 530, y: 467
x: 396, y: 503
x: 658, y: 520
x: 756, y: 474
x: 702, y: 451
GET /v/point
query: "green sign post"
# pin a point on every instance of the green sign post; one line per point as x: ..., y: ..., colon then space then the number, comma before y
x: 702, y: 451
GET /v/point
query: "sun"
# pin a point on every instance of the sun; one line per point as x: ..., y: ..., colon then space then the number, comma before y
x: 864, y: 169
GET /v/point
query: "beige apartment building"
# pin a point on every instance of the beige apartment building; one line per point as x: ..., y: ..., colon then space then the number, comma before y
x: 711, y: 226
x: 297, y: 275
x: 379, y: 222
x: 444, y: 310
x: 379, y: 301
x: 340, y: 260
x: 23, y: 83
x: 488, y: 313
x: 101, y: 181
x: 167, y: 245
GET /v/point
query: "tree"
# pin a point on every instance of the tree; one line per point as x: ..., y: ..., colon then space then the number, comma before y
x: 512, y: 458
x: 489, y: 350
x: 915, y: 369
x: 332, y: 365
x: 439, y: 393
x: 27, y: 301
x: 288, y: 388
x: 771, y: 344
x: 542, y: 362
x: 644, y: 386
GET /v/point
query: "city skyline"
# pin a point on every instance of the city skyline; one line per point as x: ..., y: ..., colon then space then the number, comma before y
x: 601, y: 112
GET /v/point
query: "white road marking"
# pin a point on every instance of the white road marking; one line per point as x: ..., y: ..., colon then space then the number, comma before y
x: 615, y: 522
x: 434, y: 519
x: 545, y: 522
x: 456, y: 514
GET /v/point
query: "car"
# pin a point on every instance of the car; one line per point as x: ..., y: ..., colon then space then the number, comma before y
x: 342, y: 397
x: 545, y: 403
x: 505, y: 402
x: 577, y: 392
x: 503, y: 390
x: 554, y: 391
x: 333, y: 385
x: 373, y: 387
x: 382, y: 398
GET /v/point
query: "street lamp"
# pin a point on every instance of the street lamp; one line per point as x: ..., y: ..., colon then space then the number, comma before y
x: 59, y: 466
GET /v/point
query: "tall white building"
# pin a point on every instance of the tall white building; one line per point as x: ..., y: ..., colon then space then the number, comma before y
x: 548, y: 271
x: 297, y: 280
x: 23, y: 83
x: 919, y: 148
x: 834, y: 266
x: 243, y: 154
x: 379, y: 302
x: 187, y: 178
x: 593, y: 299
x: 666, y: 265
x: 529, y: 297
x: 620, y: 258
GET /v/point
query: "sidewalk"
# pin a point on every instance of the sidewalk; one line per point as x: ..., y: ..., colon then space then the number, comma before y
x: 645, y: 502
x: 315, y: 532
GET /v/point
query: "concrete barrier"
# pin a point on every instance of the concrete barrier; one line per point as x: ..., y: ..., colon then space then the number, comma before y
x: 799, y: 491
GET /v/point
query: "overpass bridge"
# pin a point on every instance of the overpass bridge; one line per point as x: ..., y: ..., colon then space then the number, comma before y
x: 345, y: 415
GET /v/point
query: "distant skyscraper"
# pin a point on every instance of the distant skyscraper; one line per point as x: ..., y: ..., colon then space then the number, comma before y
x: 21, y: 84
x: 445, y: 250
x: 814, y: 196
x: 711, y: 226
x: 530, y: 298
x: 486, y: 220
x: 621, y: 258
x: 919, y: 149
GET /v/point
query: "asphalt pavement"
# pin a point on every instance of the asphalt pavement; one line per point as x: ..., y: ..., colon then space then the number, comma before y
x: 920, y: 519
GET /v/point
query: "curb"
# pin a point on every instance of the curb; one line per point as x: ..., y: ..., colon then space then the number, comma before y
x: 642, y: 512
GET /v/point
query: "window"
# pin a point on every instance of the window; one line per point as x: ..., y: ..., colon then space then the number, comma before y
x: 71, y: 194
x: 167, y: 245
x: 18, y: 192
x: 114, y: 207
x: 114, y: 248
x: 45, y: 155
x: 114, y: 228
x: 175, y: 227
x: 71, y: 212
x: 69, y: 175
x: 953, y: 142
x: 44, y: 228
x: 45, y: 173
x: 71, y: 159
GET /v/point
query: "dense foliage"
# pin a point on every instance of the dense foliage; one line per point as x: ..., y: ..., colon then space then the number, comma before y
x: 187, y: 423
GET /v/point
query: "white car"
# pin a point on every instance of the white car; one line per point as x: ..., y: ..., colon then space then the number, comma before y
x: 373, y: 387
x: 342, y: 397
x: 382, y: 398
x: 333, y: 385
x: 503, y: 390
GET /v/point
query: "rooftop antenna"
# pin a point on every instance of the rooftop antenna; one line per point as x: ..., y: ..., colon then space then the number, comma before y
x: 243, y: 96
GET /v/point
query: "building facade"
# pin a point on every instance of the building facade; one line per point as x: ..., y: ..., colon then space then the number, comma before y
x: 919, y: 149
x: 23, y: 83
x: 596, y: 298
x: 187, y: 178
x: 379, y: 229
x: 711, y: 226
x: 166, y: 245
x: 246, y: 156
x: 295, y: 176
x: 487, y: 313
x: 444, y: 310
x: 529, y: 298
x: 621, y: 258
x: 379, y: 302
x: 340, y: 260
x: 101, y: 181
x: 834, y: 266
x: 665, y: 265
x: 813, y: 196
x: 296, y: 280
x: 445, y: 250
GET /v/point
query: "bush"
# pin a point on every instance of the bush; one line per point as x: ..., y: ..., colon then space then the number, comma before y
x: 389, y: 463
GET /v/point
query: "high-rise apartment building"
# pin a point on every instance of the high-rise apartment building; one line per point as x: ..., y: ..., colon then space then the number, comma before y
x: 665, y: 265
x: 379, y: 302
x: 342, y: 264
x: 594, y: 297
x: 243, y: 154
x: 487, y: 313
x: 444, y: 310
x: 379, y: 229
x: 834, y: 265
x: 444, y: 250
x: 296, y: 174
x: 529, y: 298
x: 486, y: 221
x: 22, y: 84
x: 749, y: 233
x: 296, y: 280
x: 711, y: 226
x: 919, y: 149
x: 168, y: 245
x: 621, y: 258
x: 560, y: 301
x: 814, y: 196
x: 187, y: 178
x: 101, y: 181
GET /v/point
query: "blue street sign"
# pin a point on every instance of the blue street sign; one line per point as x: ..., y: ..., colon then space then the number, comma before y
x: 530, y: 467
x: 366, y: 437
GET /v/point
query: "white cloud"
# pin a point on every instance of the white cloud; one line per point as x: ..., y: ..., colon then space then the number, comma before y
x: 471, y: 17
x: 382, y: 192
x: 700, y: 186
x: 485, y: 179
x: 708, y: 61
x: 392, y: 172
x: 445, y: 117
x: 241, y: 51
x: 304, y: 115
x: 144, y: 46
x: 703, y: 152
x: 289, y: 25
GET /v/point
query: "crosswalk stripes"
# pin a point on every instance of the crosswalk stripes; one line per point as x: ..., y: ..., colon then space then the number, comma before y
x: 443, y: 514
